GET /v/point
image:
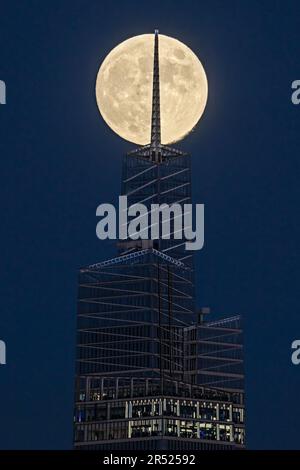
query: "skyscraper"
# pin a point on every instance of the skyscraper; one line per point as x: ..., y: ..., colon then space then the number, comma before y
x: 151, y: 373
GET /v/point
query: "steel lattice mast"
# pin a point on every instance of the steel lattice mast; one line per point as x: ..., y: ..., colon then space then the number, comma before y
x: 155, y: 119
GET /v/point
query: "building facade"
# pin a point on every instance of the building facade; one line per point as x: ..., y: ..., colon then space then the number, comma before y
x: 150, y: 372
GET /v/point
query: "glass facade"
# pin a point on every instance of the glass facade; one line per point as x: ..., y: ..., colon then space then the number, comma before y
x: 169, y: 182
x: 109, y: 410
x: 131, y: 314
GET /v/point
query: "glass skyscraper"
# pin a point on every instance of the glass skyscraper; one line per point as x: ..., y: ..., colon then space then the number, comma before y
x: 151, y: 373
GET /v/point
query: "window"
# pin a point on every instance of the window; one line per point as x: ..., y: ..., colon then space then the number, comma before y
x: 117, y: 411
x: 224, y: 413
x: 239, y: 435
x: 188, y: 409
x: 208, y: 411
x: 188, y: 429
x: 208, y: 431
x: 170, y: 408
x: 237, y: 415
x: 225, y: 432
x: 141, y: 408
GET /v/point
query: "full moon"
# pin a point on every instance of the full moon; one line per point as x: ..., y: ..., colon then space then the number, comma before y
x: 124, y: 89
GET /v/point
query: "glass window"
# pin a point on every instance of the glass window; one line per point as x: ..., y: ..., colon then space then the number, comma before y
x: 239, y: 435
x: 188, y: 429
x: 224, y: 413
x: 117, y: 411
x: 208, y: 431
x: 188, y: 409
x: 170, y: 408
x: 225, y: 432
x: 208, y: 411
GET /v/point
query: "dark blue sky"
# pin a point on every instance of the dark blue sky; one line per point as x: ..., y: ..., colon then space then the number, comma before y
x: 59, y: 161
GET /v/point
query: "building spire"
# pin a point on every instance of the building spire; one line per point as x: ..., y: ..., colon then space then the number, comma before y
x: 155, y: 150
x: 155, y: 120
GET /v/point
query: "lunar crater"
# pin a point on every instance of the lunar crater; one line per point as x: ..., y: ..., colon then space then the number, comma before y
x: 124, y: 89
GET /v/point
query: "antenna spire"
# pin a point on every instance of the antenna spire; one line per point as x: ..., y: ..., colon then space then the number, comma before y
x: 155, y: 150
x: 155, y: 120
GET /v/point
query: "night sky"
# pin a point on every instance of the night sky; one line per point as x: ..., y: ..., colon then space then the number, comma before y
x: 59, y: 161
